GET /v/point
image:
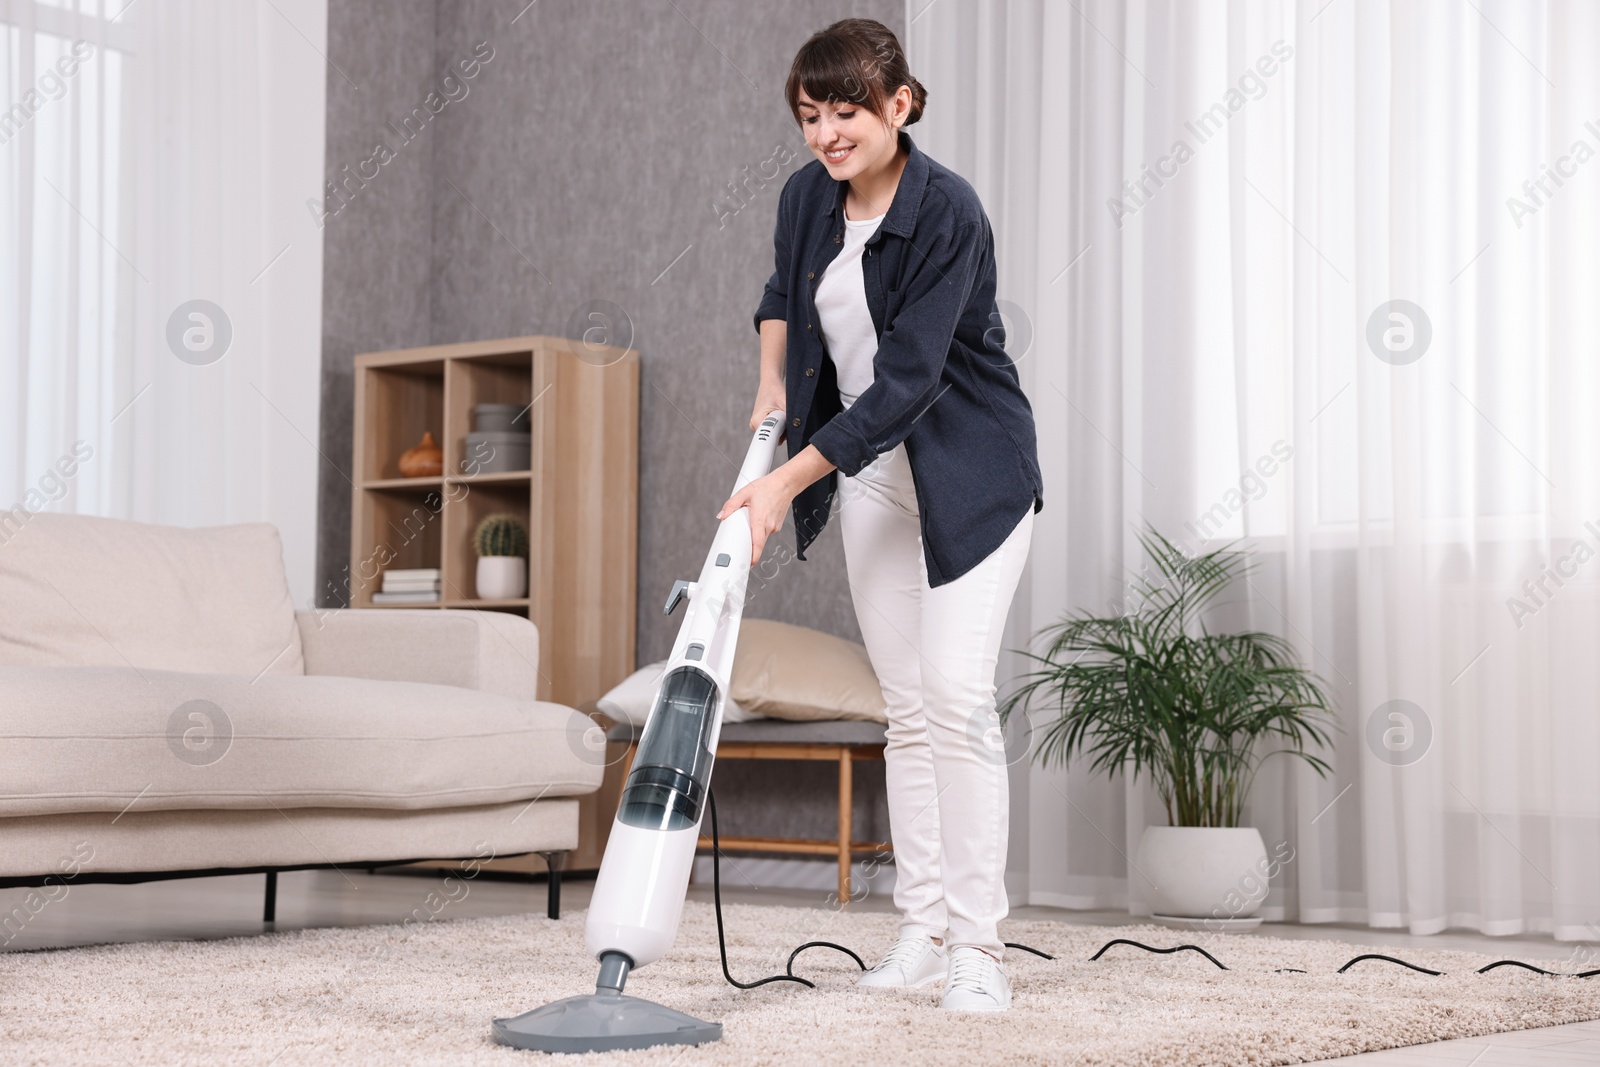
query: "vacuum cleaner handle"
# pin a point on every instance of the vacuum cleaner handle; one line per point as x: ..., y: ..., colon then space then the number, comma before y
x: 716, y: 597
x: 758, y: 458
x: 757, y: 462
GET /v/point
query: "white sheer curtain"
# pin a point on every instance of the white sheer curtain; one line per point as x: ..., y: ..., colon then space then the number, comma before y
x: 1213, y: 350
x: 153, y: 154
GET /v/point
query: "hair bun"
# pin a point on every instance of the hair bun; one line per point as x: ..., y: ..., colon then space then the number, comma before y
x: 919, y: 100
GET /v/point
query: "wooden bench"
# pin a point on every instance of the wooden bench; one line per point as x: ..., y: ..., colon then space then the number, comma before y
x: 840, y: 742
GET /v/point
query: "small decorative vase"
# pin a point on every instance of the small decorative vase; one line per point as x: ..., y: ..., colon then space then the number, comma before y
x: 502, y: 577
x: 426, y: 460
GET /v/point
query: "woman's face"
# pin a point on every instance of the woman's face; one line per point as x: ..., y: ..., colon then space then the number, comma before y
x: 849, y: 138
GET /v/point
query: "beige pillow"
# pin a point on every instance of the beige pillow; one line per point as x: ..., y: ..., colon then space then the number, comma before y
x: 790, y: 672
x: 85, y: 591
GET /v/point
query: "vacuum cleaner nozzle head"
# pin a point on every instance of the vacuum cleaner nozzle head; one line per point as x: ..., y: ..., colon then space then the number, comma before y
x: 603, y: 1022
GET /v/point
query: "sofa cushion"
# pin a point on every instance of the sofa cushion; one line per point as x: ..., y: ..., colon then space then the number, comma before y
x: 206, y: 840
x: 110, y: 739
x: 494, y: 651
x: 85, y: 591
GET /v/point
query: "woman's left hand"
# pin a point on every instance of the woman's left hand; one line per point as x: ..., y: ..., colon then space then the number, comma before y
x: 768, y: 499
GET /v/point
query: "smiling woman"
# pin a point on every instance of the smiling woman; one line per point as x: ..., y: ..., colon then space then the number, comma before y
x: 881, y: 343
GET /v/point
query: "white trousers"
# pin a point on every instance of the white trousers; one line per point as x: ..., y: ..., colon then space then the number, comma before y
x: 934, y: 651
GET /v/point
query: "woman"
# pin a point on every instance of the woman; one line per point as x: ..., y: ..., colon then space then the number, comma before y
x: 881, y: 342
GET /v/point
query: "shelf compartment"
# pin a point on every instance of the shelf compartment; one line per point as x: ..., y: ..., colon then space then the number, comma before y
x: 398, y: 404
x: 506, y: 378
x: 468, y: 502
x: 394, y: 528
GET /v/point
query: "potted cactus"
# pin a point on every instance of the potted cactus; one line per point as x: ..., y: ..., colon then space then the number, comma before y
x: 501, y: 541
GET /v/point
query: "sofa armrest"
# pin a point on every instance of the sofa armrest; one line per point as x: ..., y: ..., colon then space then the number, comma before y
x: 492, y: 651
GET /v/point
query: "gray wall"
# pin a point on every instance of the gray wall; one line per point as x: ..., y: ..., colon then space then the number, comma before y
x: 596, y: 149
x: 377, y: 250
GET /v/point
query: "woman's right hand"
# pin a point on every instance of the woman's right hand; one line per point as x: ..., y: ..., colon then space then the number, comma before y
x: 769, y: 398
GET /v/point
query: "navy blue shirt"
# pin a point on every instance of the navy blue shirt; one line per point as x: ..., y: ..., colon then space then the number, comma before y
x: 943, y: 381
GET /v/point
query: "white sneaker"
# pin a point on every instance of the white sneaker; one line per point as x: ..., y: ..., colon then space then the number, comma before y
x: 912, y: 962
x: 976, y: 982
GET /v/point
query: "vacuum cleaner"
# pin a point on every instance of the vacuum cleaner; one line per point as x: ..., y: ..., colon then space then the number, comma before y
x: 644, y: 875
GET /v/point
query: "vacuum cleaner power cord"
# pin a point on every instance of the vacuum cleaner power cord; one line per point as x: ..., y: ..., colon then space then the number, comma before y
x: 788, y: 975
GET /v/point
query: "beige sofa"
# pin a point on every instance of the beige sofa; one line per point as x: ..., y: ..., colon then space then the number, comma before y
x: 165, y: 710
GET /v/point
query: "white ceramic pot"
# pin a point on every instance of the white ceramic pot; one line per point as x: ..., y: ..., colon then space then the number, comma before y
x: 502, y: 577
x: 1204, y: 872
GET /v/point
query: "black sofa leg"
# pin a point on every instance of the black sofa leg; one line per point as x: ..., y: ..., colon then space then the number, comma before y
x: 554, y: 861
x: 269, y: 908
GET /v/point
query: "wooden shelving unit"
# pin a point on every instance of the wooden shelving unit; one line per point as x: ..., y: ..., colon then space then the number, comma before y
x: 579, y: 500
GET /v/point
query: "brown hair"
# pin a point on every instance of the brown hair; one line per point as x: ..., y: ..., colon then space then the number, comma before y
x: 854, y: 60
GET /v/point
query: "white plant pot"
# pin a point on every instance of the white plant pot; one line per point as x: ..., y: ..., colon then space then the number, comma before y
x: 502, y: 577
x: 1213, y: 873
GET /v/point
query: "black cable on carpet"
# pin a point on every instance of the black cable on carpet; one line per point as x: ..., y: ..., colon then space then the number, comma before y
x: 1358, y: 959
x: 788, y: 975
x: 722, y: 944
x: 1386, y: 959
x: 1531, y: 967
x: 1152, y: 948
x: 1030, y: 948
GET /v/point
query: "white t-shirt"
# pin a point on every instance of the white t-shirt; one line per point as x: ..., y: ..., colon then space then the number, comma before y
x: 841, y: 299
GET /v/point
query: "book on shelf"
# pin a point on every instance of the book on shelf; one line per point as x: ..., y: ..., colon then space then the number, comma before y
x: 417, y: 597
x: 411, y: 580
x: 411, y: 587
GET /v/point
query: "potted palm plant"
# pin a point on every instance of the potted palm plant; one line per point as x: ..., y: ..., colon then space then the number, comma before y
x: 1154, y: 692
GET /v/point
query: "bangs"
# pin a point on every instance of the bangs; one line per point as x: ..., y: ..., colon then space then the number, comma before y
x: 833, y: 71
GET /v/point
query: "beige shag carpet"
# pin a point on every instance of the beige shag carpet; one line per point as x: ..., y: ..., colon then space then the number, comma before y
x: 424, y: 994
